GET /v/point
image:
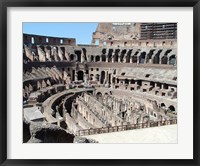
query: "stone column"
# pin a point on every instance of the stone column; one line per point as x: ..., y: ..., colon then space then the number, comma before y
x: 145, y: 59
x: 106, y: 58
x: 113, y: 58
x: 85, y: 77
x: 160, y: 61
x: 124, y: 60
x: 76, y: 76
x: 131, y: 61
x: 118, y: 59
x: 138, y: 59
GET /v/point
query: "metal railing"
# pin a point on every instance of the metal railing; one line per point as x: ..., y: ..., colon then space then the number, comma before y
x: 125, y: 127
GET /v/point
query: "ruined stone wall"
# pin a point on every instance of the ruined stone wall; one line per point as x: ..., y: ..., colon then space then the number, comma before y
x: 135, y: 34
x: 47, y: 40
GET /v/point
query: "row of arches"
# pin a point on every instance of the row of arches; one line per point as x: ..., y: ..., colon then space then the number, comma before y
x: 143, y: 58
x: 171, y: 108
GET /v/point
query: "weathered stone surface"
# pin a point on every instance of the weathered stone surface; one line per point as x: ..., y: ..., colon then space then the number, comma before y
x: 42, y: 132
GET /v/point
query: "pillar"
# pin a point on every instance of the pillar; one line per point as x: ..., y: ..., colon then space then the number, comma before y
x: 138, y: 59
x: 76, y: 75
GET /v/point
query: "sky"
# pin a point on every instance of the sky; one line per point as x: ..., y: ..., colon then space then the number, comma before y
x: 81, y: 31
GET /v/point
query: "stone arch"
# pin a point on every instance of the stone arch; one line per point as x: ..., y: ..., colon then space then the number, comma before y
x: 80, y: 75
x: 149, y: 56
x: 142, y: 57
x: 99, y: 96
x: 156, y: 58
x: 110, y: 52
x: 72, y: 57
x: 162, y: 105
x: 97, y: 58
x: 126, y: 81
x: 134, y: 59
x: 103, y: 56
x: 78, y: 54
x: 164, y: 59
x: 128, y: 56
x: 171, y: 108
x: 122, y: 55
x: 113, y: 80
x: 172, y: 60
x: 92, y: 58
x: 116, y: 56
x: 91, y: 76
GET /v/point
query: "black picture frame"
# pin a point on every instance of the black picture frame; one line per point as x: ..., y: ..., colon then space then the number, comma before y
x: 97, y: 3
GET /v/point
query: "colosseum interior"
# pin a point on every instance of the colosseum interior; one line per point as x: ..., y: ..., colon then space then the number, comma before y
x: 126, y: 79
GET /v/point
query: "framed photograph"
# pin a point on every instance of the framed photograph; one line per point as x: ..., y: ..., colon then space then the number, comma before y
x: 99, y: 82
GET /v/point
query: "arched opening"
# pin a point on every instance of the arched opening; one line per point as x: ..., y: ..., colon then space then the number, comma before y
x: 109, y: 78
x: 99, y: 96
x: 123, y: 114
x: 156, y: 58
x: 91, y: 77
x: 113, y: 80
x: 102, y: 77
x: 110, y: 52
x: 116, y: 56
x: 97, y: 58
x: 149, y: 56
x: 171, y: 108
x: 103, y: 58
x: 92, y: 58
x: 128, y: 56
x: 142, y: 57
x: 126, y: 81
x: 122, y: 55
x: 164, y: 60
x: 162, y: 105
x: 78, y: 53
x: 63, y: 52
x: 132, y: 81
x: 72, y: 57
x: 80, y: 75
x: 96, y: 42
x: 134, y: 59
x: 172, y: 60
